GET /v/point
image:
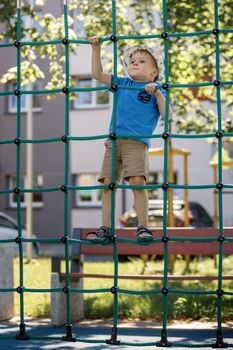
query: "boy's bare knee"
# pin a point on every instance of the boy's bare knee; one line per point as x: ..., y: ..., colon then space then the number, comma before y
x: 107, y: 180
x: 137, y: 181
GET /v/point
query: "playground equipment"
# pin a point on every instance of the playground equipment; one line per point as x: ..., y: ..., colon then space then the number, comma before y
x: 221, y: 239
x: 214, y: 166
x: 175, y: 152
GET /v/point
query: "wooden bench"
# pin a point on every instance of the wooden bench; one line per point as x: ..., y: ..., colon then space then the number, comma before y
x: 131, y: 249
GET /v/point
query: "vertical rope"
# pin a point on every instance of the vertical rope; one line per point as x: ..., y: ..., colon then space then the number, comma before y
x: 18, y: 165
x: 165, y: 181
x: 220, y: 199
x: 113, y: 339
x: 20, y: 289
x: 66, y: 177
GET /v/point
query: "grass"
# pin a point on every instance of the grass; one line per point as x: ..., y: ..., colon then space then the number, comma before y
x: 180, y: 306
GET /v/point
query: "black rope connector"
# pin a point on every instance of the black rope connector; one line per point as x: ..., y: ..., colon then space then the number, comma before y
x: 112, y: 136
x: 219, y: 292
x: 165, y: 86
x: 217, y: 83
x: 164, y: 35
x: 164, y: 290
x: 165, y: 186
x: 113, y: 38
x: 18, y: 240
x: 65, y: 90
x: 114, y: 290
x: 218, y: 134
x: 22, y: 333
x: 64, y: 138
x: 64, y: 239
x: 114, y: 87
x: 69, y: 335
x: 219, y: 186
x: 17, y: 43
x: 219, y: 341
x: 20, y: 289
x: 112, y: 186
x: 17, y: 92
x: 221, y: 238
x: 17, y: 190
x: 215, y: 31
x: 64, y: 188
x: 17, y: 140
x: 165, y: 135
x: 66, y: 289
x: 165, y: 239
x: 65, y: 41
x: 163, y: 342
x: 113, y: 340
x: 113, y: 238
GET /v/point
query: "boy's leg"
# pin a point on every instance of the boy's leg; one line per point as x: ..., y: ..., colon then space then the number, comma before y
x: 135, y: 164
x: 106, y: 204
x: 106, y: 178
x: 104, y: 231
x: 140, y: 200
x: 141, y: 205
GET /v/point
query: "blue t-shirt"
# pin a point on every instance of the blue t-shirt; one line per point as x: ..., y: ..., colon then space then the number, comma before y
x: 137, y: 112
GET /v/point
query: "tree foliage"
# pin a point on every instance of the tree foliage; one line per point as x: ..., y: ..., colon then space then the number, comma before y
x: 192, y: 59
x: 37, y: 27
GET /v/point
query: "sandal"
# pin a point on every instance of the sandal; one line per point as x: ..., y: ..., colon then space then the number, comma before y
x: 102, y: 234
x: 144, y: 234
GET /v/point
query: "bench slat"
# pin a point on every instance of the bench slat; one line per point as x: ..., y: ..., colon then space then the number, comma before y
x: 191, y: 248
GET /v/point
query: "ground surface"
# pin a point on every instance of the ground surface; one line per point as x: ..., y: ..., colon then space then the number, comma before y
x: 197, y: 333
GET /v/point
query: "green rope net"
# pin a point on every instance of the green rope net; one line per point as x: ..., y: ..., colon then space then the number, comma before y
x: 66, y: 188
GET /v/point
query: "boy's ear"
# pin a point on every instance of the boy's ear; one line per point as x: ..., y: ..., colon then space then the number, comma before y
x: 155, y: 73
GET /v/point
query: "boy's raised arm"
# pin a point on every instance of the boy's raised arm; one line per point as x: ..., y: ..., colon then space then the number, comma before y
x: 151, y: 88
x: 96, y: 65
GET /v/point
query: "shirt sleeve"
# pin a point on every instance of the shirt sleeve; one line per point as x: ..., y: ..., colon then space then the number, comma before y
x: 120, y: 80
x: 164, y: 92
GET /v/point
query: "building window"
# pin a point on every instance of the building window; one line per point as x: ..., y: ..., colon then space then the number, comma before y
x: 87, y: 198
x: 37, y: 198
x: 91, y: 99
x: 36, y: 100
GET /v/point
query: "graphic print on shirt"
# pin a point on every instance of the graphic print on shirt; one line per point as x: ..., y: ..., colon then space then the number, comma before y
x: 144, y: 97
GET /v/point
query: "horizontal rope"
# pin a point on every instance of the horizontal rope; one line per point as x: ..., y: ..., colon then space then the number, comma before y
x: 118, y: 37
x: 107, y: 136
x: 108, y: 87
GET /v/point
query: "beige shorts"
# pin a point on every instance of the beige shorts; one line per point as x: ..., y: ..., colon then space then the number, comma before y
x: 131, y: 160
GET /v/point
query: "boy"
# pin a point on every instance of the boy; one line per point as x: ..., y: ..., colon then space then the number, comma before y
x: 137, y: 114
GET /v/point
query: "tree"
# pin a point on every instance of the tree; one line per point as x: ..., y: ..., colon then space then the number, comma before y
x: 41, y: 28
x: 191, y: 59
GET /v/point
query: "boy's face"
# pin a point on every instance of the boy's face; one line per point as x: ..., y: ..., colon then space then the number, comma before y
x: 142, y: 67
